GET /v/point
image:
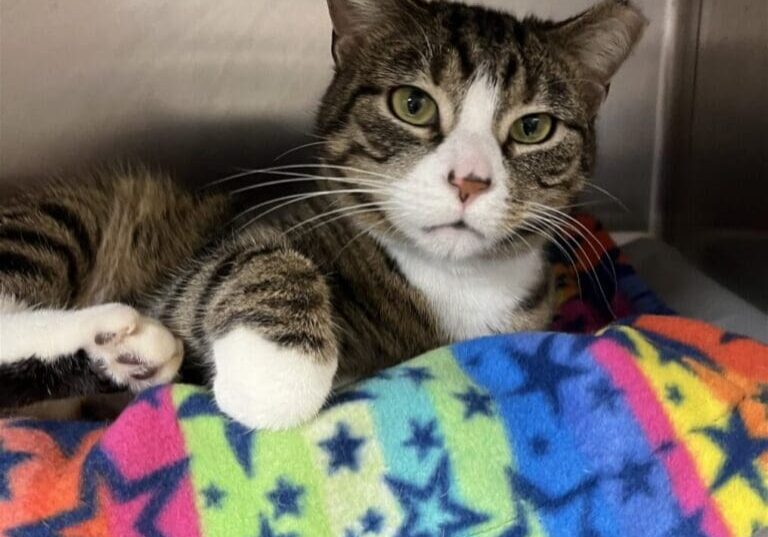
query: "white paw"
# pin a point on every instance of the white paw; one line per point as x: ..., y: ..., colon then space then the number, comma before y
x: 132, y: 350
x: 265, y: 386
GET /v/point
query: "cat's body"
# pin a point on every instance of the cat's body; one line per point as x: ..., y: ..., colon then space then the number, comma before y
x: 450, y: 134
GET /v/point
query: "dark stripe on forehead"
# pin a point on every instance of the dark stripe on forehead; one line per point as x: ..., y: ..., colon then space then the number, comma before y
x: 510, y: 70
x: 520, y: 32
x: 458, y: 23
x: 492, y: 26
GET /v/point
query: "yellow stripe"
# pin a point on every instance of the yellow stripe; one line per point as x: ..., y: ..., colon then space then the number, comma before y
x: 701, y: 409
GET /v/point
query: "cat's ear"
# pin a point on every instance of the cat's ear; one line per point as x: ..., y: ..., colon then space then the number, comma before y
x: 354, y: 20
x: 599, y: 41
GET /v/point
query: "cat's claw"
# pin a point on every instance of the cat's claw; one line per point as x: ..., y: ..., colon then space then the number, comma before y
x: 131, y: 350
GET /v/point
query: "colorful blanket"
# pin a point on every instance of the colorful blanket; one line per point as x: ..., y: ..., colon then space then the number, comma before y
x: 655, y: 426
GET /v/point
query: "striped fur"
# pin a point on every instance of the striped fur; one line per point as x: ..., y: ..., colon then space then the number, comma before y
x: 360, y: 276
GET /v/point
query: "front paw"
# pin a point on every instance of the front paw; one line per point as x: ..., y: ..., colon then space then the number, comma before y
x: 132, y: 350
x: 267, y: 386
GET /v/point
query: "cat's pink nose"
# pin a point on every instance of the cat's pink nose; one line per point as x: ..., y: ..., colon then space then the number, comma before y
x: 469, y: 187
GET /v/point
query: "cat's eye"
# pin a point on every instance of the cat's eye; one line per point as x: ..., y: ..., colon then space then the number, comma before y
x: 533, y: 129
x: 414, y: 106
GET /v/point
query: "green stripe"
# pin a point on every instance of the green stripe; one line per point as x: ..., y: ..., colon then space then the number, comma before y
x: 479, y: 449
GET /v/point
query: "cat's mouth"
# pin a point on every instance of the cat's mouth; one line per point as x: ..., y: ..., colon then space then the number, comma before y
x: 459, y: 225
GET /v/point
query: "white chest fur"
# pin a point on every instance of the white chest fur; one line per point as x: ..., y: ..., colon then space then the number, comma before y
x: 472, y: 299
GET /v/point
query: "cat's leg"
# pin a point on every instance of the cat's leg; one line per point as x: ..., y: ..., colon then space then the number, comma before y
x: 131, y: 350
x: 64, y: 249
x: 260, y: 314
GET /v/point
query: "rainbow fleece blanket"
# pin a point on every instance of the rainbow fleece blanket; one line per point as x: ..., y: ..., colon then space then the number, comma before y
x: 654, y: 426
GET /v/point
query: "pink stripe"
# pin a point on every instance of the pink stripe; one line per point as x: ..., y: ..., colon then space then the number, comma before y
x: 143, y: 440
x: 686, y: 482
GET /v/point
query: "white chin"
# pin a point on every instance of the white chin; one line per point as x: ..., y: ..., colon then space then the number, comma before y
x: 450, y: 243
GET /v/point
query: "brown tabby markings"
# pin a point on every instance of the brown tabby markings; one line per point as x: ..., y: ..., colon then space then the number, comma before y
x: 329, y: 291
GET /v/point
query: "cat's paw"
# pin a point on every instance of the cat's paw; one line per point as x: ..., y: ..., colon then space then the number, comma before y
x: 267, y: 386
x: 132, y: 350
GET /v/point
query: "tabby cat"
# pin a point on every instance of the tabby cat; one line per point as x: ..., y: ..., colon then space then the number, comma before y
x: 453, y: 137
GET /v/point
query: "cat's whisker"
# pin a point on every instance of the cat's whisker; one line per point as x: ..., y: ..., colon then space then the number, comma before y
x: 295, y: 197
x: 298, y: 178
x: 592, y: 272
x: 534, y: 227
x: 589, y: 237
x: 297, y: 168
x: 607, y: 193
x: 304, y: 197
x: 299, y: 148
x: 343, y: 210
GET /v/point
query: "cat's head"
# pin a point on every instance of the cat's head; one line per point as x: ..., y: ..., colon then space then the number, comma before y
x: 461, y: 128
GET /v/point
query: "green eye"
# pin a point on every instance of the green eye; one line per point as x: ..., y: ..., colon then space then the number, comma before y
x: 414, y: 106
x: 533, y: 129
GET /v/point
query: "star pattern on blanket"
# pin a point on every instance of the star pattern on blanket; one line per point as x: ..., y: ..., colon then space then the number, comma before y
x: 150, y: 397
x: 741, y: 451
x: 676, y: 352
x: 674, y: 394
x: 417, y: 375
x: 432, y: 509
x: 213, y: 497
x: 68, y: 436
x: 690, y: 526
x: 286, y: 498
x: 423, y: 438
x: 635, y: 478
x: 8, y: 461
x: 543, y: 374
x: 605, y: 394
x: 99, y: 470
x: 475, y: 402
x: 522, y: 526
x: 239, y: 438
x: 265, y: 530
x: 545, y: 501
x: 372, y: 522
x: 343, y: 450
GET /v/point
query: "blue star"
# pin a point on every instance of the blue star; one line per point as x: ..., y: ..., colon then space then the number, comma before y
x: 543, y: 374
x: 522, y: 527
x: 67, y: 435
x: 265, y: 530
x: 741, y: 452
x: 430, y: 510
x: 605, y: 395
x: 285, y: 498
x: 9, y: 460
x: 423, y: 438
x: 214, y: 497
x: 150, y: 397
x: 419, y: 375
x: 159, y: 486
x: 674, y: 395
x: 475, y: 402
x: 539, y: 445
x: 239, y: 438
x: 690, y: 527
x: 634, y: 479
x: 372, y: 522
x: 342, y: 450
